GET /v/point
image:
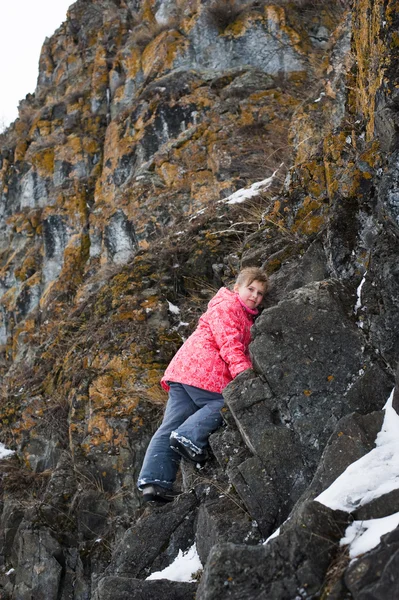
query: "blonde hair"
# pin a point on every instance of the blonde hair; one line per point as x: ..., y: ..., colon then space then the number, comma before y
x: 250, y: 274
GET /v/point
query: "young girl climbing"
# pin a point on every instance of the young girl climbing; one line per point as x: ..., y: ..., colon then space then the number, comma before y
x: 209, y: 359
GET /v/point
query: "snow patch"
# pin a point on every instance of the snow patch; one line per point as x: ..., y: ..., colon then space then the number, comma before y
x: 320, y: 97
x: 363, y: 536
x: 273, y: 535
x: 373, y: 475
x: 245, y: 193
x: 358, y: 304
x: 175, y: 310
x: 183, y: 567
x: 4, y: 452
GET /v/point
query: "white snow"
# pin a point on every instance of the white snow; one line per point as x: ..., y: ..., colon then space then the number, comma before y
x: 370, y: 477
x: 253, y: 190
x: 5, y: 451
x: 175, y: 310
x: 363, y: 536
x: 358, y: 304
x: 183, y: 567
x: 273, y: 535
x: 320, y: 97
x: 195, y: 215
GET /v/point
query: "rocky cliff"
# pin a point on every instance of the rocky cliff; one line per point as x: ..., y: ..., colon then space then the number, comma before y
x: 167, y: 144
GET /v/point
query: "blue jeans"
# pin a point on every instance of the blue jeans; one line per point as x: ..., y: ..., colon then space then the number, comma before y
x: 191, y: 414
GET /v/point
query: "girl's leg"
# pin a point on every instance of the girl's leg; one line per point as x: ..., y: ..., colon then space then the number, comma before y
x: 161, y: 462
x: 195, y: 430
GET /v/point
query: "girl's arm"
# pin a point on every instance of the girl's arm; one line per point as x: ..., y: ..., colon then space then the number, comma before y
x: 227, y: 330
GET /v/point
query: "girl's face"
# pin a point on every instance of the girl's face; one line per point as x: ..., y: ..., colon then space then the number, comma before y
x: 251, y: 293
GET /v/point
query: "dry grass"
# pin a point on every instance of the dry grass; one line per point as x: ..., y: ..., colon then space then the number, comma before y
x: 335, y: 571
x: 17, y: 479
x: 54, y: 420
x: 144, y: 33
x: 222, y: 13
x: 312, y: 4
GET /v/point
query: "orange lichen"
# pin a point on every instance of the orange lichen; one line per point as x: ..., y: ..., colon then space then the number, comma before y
x: 162, y: 51
x: 369, y: 49
x: 43, y: 160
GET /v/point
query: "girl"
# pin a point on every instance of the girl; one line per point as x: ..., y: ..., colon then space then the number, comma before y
x: 210, y: 358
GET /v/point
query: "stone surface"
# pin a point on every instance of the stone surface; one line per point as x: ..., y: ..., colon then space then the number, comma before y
x: 114, y: 183
x: 354, y: 436
x: 381, y: 507
x: 295, y: 560
x: 374, y: 575
x: 223, y: 519
x: 150, y: 538
x: 120, y: 588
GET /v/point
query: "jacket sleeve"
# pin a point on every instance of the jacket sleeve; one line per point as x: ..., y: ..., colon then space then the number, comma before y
x: 227, y: 330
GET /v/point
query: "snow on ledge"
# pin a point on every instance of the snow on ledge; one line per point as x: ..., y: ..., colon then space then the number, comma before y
x: 183, y: 567
x: 370, y: 477
x: 175, y: 310
x: 245, y: 193
x: 363, y: 536
x: 373, y: 475
x: 4, y: 452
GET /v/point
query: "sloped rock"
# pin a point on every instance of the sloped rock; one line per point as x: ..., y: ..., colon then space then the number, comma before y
x: 121, y: 588
x: 380, y: 295
x: 222, y: 519
x: 146, y: 541
x: 247, y: 474
x: 11, y: 518
x: 353, y: 437
x: 374, y: 576
x: 291, y: 565
x: 39, y: 564
x: 385, y: 505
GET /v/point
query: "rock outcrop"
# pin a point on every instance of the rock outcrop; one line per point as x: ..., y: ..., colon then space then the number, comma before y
x: 119, y: 219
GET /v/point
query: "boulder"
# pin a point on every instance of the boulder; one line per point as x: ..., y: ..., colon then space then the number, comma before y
x: 121, y: 588
x: 291, y: 565
x: 374, y: 576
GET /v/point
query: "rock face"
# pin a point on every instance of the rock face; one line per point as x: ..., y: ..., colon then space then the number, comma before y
x: 118, y: 222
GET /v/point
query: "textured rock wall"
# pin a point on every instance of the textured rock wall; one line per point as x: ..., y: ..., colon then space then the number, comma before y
x: 114, y: 186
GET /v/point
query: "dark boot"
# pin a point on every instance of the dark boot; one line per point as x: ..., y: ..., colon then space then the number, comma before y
x: 187, y: 453
x: 156, y: 493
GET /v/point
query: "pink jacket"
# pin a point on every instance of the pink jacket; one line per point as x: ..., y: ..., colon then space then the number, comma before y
x: 217, y: 351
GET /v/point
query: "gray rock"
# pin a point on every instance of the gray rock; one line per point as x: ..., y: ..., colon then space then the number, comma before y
x: 92, y: 514
x: 257, y: 47
x: 249, y: 478
x: 374, y: 576
x: 11, y: 517
x: 385, y: 505
x: 42, y: 453
x: 311, y: 354
x: 39, y: 560
x: 120, y: 238
x: 149, y: 537
x: 222, y: 519
x: 353, y: 437
x: 122, y: 588
x: 380, y: 297
x: 295, y: 272
x: 291, y: 565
